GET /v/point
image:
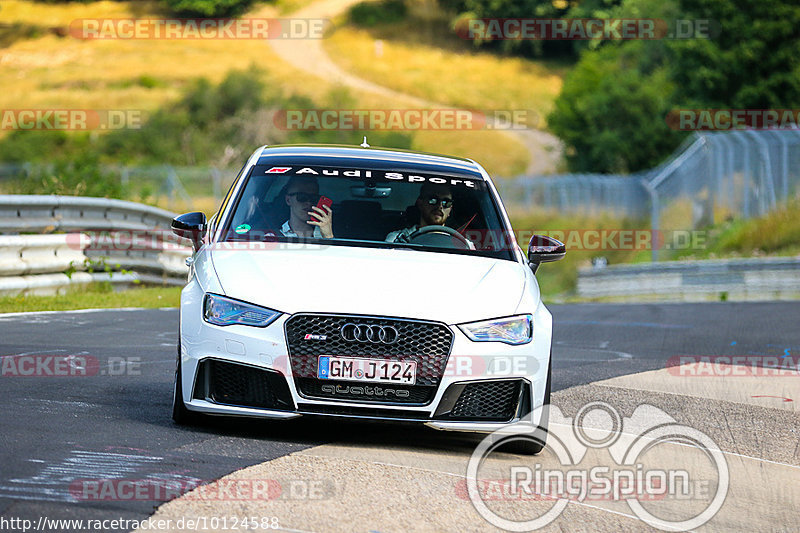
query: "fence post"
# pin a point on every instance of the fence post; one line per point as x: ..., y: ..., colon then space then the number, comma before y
x: 125, y: 177
x: 746, y: 174
x: 171, y: 186
x: 784, y: 166
x: 726, y: 192
x: 654, y: 218
x: 768, y: 180
x: 216, y: 179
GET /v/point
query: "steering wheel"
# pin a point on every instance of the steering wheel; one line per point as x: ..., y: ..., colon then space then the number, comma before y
x: 434, y: 229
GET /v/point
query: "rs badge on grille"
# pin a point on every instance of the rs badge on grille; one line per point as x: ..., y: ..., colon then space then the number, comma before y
x: 312, y: 337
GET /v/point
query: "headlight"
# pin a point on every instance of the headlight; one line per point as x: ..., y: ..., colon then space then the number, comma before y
x: 223, y: 311
x: 511, y: 330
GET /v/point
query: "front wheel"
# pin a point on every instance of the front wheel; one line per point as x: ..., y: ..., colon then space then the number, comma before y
x: 533, y: 443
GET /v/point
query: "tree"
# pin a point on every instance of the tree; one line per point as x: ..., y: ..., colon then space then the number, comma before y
x: 610, y: 114
x: 752, y: 62
x: 208, y: 8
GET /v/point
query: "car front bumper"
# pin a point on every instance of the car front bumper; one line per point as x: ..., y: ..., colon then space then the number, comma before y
x: 470, y: 365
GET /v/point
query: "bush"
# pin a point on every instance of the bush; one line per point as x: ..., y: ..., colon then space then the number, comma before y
x: 369, y: 14
x: 208, y: 8
x: 209, y: 125
x: 22, y: 146
x: 611, y: 116
x: 78, y: 176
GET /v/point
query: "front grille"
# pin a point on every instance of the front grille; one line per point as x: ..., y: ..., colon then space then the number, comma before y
x: 488, y: 400
x: 242, y: 385
x: 427, y: 343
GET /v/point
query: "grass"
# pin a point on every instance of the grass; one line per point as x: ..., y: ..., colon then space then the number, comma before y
x: 424, y: 59
x: 95, y: 296
x: 560, y: 278
x: 49, y: 71
x: 776, y: 233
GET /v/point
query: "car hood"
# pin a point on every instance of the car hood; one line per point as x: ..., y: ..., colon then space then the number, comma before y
x: 450, y: 288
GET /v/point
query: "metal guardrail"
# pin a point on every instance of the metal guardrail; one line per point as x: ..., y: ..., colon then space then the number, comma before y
x: 49, y: 261
x: 45, y: 213
x: 166, y: 181
x: 769, y: 278
x: 39, y: 254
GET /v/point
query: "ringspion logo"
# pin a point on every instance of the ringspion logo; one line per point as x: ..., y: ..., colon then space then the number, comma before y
x: 599, y: 455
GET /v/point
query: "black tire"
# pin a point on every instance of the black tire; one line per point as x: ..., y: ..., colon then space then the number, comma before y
x: 533, y: 443
x: 180, y: 414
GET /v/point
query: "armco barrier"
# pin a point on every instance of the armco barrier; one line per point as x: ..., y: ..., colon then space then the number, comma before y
x: 50, y: 260
x: 55, y: 283
x: 771, y: 278
x: 41, y: 213
x: 39, y: 254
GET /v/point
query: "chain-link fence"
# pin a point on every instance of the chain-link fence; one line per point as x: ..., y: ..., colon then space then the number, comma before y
x: 586, y: 193
x: 170, y: 186
x: 711, y: 177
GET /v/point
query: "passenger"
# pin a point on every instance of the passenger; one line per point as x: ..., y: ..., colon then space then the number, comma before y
x: 435, y: 203
x: 302, y: 194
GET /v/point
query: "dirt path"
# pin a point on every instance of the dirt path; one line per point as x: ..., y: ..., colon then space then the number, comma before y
x: 310, y: 56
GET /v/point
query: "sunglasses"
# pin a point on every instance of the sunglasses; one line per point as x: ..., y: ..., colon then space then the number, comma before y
x: 446, y: 203
x: 304, y: 197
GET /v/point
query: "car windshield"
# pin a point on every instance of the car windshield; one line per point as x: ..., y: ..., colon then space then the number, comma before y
x: 369, y: 207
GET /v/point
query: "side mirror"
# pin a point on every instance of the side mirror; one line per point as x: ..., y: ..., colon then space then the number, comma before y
x: 190, y: 226
x: 544, y: 249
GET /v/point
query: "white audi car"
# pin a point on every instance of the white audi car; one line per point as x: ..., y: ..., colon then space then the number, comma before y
x: 363, y: 283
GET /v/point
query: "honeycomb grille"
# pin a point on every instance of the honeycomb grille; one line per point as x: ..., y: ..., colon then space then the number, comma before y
x: 234, y: 384
x: 491, y: 400
x: 427, y: 343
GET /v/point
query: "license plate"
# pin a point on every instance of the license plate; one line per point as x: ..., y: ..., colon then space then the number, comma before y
x: 370, y: 370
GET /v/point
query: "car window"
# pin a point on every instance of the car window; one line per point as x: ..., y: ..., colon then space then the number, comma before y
x: 382, y: 208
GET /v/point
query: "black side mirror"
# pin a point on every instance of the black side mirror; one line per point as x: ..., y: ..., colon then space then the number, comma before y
x: 544, y: 249
x: 190, y: 226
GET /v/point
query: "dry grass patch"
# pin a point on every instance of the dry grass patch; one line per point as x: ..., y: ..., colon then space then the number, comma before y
x: 460, y: 78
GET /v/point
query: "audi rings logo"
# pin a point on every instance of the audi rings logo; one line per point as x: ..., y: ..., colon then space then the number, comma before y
x: 369, y: 333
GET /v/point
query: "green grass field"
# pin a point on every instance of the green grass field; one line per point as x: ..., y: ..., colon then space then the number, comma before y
x: 93, y: 297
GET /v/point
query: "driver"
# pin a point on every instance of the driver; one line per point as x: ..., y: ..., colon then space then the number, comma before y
x: 302, y: 194
x: 435, y: 203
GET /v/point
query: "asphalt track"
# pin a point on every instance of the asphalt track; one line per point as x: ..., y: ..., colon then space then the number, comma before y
x: 57, y: 431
